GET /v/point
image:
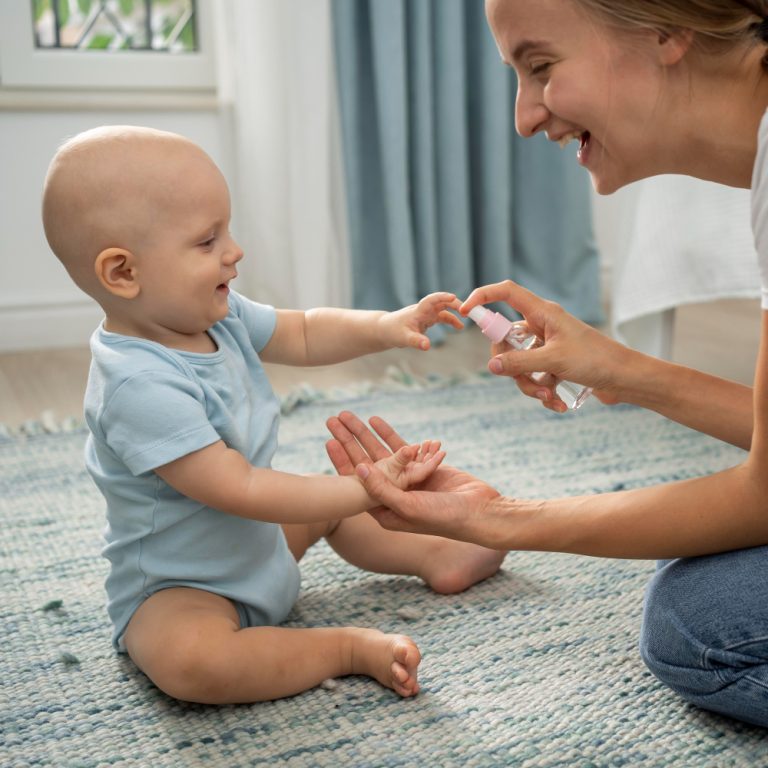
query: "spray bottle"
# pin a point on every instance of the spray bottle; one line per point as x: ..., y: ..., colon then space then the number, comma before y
x: 517, y: 334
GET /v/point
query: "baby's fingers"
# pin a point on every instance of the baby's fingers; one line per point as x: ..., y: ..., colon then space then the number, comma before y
x: 419, y: 341
x: 428, y: 449
x: 441, y: 298
x: 417, y: 472
x: 405, y: 455
x: 450, y: 319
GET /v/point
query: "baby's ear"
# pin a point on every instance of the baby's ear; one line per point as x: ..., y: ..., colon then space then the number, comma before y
x: 116, y: 271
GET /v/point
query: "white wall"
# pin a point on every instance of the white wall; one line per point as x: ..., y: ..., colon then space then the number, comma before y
x: 40, y: 307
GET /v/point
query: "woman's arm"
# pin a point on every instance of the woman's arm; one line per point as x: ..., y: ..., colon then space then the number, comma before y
x: 720, y: 512
x: 574, y: 351
x: 702, y: 516
x: 706, y: 403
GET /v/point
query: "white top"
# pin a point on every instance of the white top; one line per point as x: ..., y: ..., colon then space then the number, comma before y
x: 760, y: 206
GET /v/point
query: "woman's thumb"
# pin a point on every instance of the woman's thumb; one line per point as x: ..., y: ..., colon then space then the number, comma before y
x: 377, y: 485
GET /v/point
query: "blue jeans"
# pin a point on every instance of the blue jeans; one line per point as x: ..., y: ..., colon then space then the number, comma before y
x: 705, y: 631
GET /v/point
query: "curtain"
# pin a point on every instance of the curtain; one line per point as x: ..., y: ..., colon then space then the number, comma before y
x: 441, y: 192
x: 277, y: 87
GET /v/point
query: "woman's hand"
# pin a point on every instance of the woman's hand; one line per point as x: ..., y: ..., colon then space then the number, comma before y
x: 447, y: 503
x: 572, y: 350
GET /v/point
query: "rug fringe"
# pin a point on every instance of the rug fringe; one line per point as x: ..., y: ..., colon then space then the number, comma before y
x: 396, y: 377
x: 45, y: 424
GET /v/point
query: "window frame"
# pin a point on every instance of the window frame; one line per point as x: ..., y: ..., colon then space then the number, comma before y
x: 22, y: 65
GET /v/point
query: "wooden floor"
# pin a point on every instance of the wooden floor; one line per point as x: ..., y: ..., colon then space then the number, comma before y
x: 720, y: 338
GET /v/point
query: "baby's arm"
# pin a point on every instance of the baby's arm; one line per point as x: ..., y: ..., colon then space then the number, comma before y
x: 331, y: 335
x: 221, y: 478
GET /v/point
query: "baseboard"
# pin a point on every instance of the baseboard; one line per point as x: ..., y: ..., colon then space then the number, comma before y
x: 48, y: 326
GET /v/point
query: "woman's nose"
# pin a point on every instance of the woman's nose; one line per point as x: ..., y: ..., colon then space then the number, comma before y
x: 530, y: 114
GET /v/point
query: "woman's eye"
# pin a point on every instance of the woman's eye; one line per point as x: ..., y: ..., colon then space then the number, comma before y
x: 539, y: 69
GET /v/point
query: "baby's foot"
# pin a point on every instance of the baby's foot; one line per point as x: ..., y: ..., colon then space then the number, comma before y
x: 390, y: 659
x: 453, y: 566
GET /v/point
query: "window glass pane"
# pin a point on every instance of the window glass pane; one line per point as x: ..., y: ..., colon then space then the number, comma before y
x: 146, y: 25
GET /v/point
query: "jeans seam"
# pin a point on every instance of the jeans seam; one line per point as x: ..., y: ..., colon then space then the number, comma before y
x: 731, y: 648
x: 758, y: 683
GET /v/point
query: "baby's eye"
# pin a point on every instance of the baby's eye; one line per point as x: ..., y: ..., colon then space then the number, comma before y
x: 208, y: 243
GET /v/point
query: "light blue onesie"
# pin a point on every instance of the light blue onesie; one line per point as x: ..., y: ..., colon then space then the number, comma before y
x: 147, y: 405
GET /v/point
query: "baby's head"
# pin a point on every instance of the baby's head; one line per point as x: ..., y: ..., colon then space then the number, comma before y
x: 140, y: 220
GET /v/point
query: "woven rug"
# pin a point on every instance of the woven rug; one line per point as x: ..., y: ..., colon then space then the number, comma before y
x: 537, y: 666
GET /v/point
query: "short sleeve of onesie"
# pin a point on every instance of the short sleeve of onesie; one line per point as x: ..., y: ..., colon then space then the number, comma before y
x: 162, y: 417
x: 258, y: 319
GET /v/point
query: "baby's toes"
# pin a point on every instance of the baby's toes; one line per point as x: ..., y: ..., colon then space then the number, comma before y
x: 402, y: 681
x: 407, y: 654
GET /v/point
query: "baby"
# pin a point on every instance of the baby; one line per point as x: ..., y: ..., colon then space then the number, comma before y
x: 202, y: 536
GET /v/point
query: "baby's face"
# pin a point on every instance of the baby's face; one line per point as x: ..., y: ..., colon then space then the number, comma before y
x: 185, y: 254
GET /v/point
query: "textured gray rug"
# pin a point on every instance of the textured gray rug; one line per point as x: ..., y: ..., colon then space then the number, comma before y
x: 535, y: 667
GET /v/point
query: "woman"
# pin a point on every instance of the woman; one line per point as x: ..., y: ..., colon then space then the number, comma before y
x: 646, y: 87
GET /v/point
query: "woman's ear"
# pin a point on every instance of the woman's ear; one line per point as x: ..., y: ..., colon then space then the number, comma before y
x: 116, y: 271
x: 673, y: 45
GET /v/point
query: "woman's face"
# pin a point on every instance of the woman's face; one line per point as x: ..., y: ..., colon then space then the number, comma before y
x: 579, y: 79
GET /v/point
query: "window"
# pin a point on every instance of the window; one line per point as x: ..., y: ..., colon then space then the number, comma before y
x: 148, y: 25
x: 140, y: 44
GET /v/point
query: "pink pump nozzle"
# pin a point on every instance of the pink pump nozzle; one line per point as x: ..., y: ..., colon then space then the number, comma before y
x: 493, y: 324
x: 497, y: 328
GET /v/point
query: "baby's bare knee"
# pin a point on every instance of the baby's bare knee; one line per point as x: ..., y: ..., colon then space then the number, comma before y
x: 190, y: 670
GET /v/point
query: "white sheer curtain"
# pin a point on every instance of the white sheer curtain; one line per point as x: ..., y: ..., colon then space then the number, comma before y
x: 277, y: 87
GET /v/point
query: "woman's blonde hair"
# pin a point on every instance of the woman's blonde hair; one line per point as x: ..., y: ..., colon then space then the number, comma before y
x: 717, y: 24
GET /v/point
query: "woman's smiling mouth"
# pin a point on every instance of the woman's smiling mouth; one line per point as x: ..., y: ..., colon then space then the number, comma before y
x: 581, y: 136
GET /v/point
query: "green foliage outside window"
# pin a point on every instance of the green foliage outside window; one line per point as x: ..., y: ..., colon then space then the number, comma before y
x: 147, y: 25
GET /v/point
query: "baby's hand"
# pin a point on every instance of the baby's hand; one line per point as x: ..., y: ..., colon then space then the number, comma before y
x: 412, y: 464
x: 405, y: 328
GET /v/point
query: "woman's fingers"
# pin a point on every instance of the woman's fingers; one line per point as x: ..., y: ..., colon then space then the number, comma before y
x: 339, y: 457
x: 370, y: 444
x: 380, y: 487
x: 519, y: 298
x: 349, y: 443
x: 391, y: 521
x: 354, y: 443
x: 385, y: 431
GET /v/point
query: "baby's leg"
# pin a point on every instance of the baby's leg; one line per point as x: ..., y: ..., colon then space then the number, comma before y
x: 190, y: 644
x: 301, y: 536
x: 447, y: 566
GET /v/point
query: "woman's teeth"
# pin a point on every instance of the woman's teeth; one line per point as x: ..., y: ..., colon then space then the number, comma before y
x: 569, y: 137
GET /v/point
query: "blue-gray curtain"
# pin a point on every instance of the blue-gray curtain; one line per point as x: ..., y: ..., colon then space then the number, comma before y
x: 442, y: 193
